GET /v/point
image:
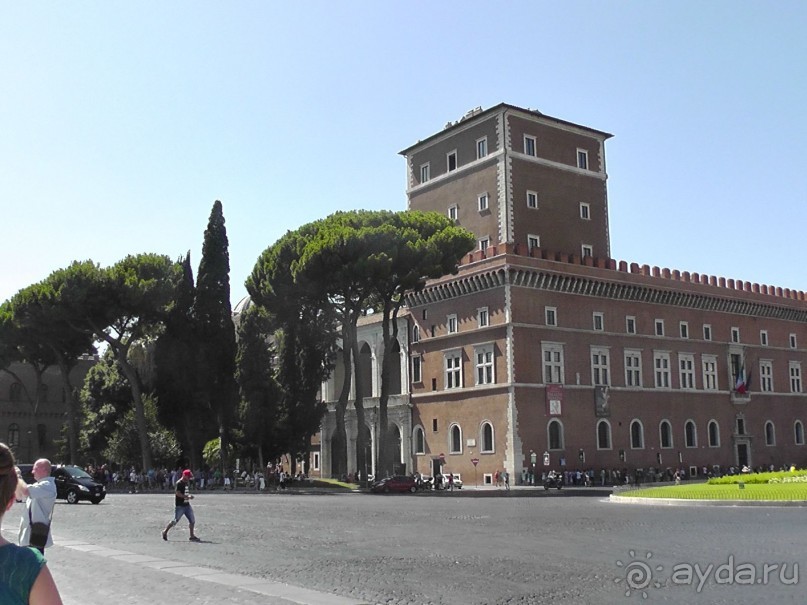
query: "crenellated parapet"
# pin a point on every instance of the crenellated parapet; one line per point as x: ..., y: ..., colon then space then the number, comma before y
x: 635, y: 269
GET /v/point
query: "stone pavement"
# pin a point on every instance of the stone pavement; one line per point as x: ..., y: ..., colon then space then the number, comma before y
x: 569, y: 547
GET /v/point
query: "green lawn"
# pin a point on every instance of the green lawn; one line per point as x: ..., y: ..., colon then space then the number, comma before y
x: 703, y: 491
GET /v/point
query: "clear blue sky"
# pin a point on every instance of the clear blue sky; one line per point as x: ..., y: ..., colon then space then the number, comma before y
x: 122, y: 122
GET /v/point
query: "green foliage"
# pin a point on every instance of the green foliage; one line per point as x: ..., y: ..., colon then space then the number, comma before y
x: 752, y: 478
x: 105, y: 399
x: 704, y: 491
x: 124, y: 444
x: 212, y: 455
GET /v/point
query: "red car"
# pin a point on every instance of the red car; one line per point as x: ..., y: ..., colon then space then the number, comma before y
x: 398, y: 483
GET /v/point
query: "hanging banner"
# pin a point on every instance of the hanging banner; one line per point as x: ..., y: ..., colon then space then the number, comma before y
x: 554, y: 399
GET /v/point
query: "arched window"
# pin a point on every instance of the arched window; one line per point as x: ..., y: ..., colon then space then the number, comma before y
x: 798, y: 432
x: 555, y: 434
x: 14, y: 435
x: 456, y: 439
x: 665, y: 434
x: 636, y: 435
x: 603, y: 435
x: 714, y: 434
x: 690, y: 434
x: 419, y: 441
x: 415, y: 333
x: 487, y: 437
x: 770, y: 433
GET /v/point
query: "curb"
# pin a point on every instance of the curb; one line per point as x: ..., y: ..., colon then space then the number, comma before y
x: 681, y: 502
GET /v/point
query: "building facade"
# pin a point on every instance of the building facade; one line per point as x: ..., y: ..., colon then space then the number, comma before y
x: 33, y: 409
x: 544, y: 352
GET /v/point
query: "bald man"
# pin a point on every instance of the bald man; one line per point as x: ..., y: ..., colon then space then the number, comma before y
x: 40, y: 497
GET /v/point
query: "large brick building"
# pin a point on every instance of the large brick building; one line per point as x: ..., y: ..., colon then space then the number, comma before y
x: 543, y: 349
x: 544, y: 346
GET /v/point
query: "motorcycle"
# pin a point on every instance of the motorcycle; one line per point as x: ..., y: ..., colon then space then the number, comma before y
x: 553, y: 480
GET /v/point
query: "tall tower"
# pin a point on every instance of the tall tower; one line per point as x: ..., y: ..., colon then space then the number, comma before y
x: 514, y: 175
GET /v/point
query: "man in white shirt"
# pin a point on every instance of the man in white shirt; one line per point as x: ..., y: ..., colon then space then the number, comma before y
x: 40, y: 497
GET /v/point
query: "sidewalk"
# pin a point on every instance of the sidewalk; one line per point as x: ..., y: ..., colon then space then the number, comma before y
x: 89, y: 574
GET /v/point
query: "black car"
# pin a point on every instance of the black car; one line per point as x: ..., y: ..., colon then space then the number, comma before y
x: 74, y: 485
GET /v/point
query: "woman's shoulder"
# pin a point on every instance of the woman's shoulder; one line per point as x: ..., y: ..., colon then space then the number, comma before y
x: 22, y: 554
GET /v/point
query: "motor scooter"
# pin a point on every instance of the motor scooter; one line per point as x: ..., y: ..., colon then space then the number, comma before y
x: 553, y: 479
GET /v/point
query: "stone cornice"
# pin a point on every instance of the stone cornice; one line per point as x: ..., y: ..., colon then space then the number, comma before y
x: 597, y: 287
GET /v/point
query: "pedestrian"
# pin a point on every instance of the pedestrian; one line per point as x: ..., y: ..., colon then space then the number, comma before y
x: 182, y: 505
x: 451, y: 482
x: 24, y: 574
x: 496, y: 478
x: 39, y: 497
x: 506, y: 479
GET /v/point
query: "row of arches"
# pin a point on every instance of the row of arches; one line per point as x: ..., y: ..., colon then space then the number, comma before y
x: 555, y: 434
x: 455, y: 440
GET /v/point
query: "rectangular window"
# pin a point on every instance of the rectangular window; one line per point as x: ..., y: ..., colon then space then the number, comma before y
x: 417, y: 365
x: 451, y: 324
x: 533, y: 241
x: 587, y: 250
x: 735, y: 335
x: 553, y: 363
x: 315, y: 461
x: 551, y: 315
x: 453, y: 370
x: 585, y: 211
x: 484, y: 364
x: 482, y: 317
x: 659, y: 327
x: 434, y: 425
x: 763, y: 338
x: 599, y: 366
x: 529, y: 145
x: 582, y: 159
x: 709, y: 363
x: 451, y: 161
x: 661, y: 365
x: 795, y: 377
x: 425, y: 172
x: 482, y: 200
x: 792, y: 341
x: 630, y: 324
x: 532, y: 199
x: 633, y: 369
x: 481, y: 148
x: 766, y: 376
x: 684, y: 327
x: 453, y: 212
x: 707, y: 332
x: 599, y: 321
x: 484, y: 244
x: 686, y: 370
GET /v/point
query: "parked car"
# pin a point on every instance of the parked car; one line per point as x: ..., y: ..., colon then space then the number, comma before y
x: 398, y: 483
x: 74, y: 484
x: 457, y: 481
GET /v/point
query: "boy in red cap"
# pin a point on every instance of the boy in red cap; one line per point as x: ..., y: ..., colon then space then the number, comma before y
x: 183, y: 505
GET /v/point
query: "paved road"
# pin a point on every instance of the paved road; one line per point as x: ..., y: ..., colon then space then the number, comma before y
x: 347, y: 549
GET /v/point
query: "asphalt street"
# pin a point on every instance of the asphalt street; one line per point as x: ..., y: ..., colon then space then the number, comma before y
x: 521, y: 547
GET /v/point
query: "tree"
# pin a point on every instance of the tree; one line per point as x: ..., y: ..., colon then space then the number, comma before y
x: 419, y: 245
x: 105, y: 399
x: 303, y: 325
x: 260, y: 394
x: 124, y: 446
x: 121, y: 305
x: 38, y: 314
x: 179, y: 404
x: 212, y: 314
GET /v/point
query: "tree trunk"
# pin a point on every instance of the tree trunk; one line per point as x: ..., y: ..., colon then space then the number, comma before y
x: 137, y: 398
x: 339, y: 440
x: 362, y: 464
x: 72, y: 410
x: 389, y: 327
